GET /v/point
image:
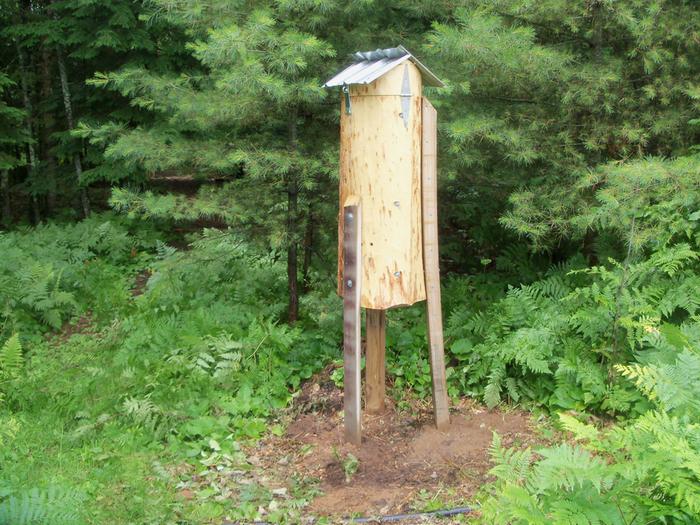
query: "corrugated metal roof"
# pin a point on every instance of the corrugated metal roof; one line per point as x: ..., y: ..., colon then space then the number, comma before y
x: 370, y: 65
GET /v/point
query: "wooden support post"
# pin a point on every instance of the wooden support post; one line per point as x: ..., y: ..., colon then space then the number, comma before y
x: 431, y: 263
x: 375, y: 368
x: 351, y: 318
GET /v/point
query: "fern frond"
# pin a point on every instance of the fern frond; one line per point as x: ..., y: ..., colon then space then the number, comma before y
x: 54, y: 505
x: 11, y: 359
x: 673, y: 259
x: 512, y: 465
x: 492, y: 392
x: 580, y: 430
x: 566, y: 467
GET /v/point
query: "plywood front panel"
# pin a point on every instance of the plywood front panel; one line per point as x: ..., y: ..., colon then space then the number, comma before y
x: 380, y: 162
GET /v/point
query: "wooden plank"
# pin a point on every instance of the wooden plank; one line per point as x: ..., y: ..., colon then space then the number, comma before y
x: 352, y: 277
x: 375, y: 367
x: 380, y: 163
x: 432, y: 266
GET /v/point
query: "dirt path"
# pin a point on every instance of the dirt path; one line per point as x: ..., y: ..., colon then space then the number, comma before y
x: 403, y: 458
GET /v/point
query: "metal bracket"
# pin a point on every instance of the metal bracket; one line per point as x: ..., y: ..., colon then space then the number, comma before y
x: 346, y: 92
x: 405, y: 96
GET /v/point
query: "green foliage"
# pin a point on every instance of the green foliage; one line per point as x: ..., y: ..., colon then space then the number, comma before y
x: 53, y: 506
x: 349, y: 464
x: 53, y: 273
x: 636, y: 321
x: 11, y: 362
x: 643, y: 471
x: 647, y: 202
x: 180, y: 373
x: 539, y: 93
x: 241, y: 113
x: 11, y: 359
x: 557, y: 341
x: 11, y: 133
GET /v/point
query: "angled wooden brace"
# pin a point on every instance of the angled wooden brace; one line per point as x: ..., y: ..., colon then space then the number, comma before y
x: 431, y: 262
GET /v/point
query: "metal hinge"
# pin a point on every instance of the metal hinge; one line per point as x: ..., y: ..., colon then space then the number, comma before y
x: 346, y: 92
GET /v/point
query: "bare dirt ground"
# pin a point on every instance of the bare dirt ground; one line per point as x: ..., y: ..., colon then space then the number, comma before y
x: 402, y: 458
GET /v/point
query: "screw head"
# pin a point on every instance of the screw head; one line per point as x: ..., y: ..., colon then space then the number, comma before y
x: 349, y: 283
x: 349, y: 216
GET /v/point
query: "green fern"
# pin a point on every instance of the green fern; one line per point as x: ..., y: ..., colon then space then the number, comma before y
x: 580, y: 430
x: 11, y: 359
x: 569, y: 468
x: 11, y: 363
x: 492, y: 391
x: 144, y: 413
x: 674, y: 387
x: 645, y: 471
x: 512, y: 465
x: 52, y: 506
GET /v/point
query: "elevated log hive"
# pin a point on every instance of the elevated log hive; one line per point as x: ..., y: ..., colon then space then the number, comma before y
x: 380, y: 164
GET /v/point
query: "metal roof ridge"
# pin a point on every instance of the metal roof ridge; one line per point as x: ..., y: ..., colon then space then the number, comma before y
x: 435, y: 81
x: 366, y: 70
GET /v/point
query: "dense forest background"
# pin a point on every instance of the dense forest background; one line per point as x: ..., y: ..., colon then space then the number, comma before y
x: 192, y: 139
x: 540, y: 96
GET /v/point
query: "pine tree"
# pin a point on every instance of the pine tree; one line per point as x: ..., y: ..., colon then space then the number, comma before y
x: 251, y: 110
x: 541, y: 92
x: 11, y: 137
x: 56, y: 46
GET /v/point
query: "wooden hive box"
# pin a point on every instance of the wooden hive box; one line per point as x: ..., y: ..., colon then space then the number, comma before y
x: 380, y: 167
x: 387, y: 225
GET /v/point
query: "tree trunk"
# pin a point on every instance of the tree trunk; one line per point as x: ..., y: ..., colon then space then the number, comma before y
x: 47, y: 127
x: 65, y: 88
x: 5, y: 190
x: 31, y: 152
x: 308, y: 249
x: 597, y: 8
x: 292, y: 204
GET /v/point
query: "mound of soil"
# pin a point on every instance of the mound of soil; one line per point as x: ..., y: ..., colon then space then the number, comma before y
x: 402, y: 453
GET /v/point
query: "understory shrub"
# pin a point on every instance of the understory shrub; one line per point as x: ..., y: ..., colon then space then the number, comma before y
x: 53, y: 272
x: 557, y: 341
x: 187, y: 368
x: 645, y: 470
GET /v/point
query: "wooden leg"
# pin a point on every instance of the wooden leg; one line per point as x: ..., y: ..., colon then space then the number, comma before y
x: 375, y: 368
x: 431, y: 263
x: 351, y: 321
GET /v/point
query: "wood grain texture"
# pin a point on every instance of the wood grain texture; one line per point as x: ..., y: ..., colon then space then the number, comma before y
x: 352, y: 286
x: 432, y: 266
x: 375, y: 367
x: 380, y: 162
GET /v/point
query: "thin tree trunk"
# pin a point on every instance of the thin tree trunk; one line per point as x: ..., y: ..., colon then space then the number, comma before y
x: 31, y: 152
x: 5, y: 190
x: 84, y: 199
x: 292, y: 204
x: 46, y: 131
x: 597, y: 8
x: 308, y: 249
